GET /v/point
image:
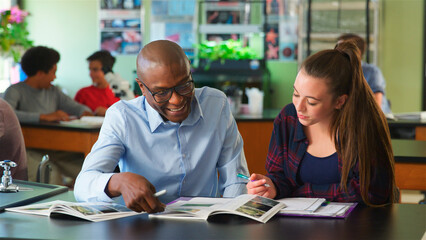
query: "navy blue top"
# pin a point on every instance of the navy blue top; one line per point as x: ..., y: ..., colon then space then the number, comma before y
x: 319, y: 170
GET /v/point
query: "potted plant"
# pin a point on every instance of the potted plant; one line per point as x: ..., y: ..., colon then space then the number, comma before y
x: 212, y: 53
x: 13, y: 33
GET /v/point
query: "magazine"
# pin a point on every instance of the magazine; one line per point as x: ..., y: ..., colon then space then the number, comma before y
x: 315, y: 207
x: 201, y: 208
x: 90, y: 211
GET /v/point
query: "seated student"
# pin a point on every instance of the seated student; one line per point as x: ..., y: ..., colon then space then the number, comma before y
x: 120, y: 87
x: 333, y: 140
x: 36, y: 99
x: 99, y: 97
x: 372, y: 73
x: 12, y: 145
x: 174, y: 137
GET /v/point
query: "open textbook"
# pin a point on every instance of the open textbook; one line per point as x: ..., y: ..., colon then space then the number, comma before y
x: 94, y: 212
x: 315, y: 207
x: 200, y: 208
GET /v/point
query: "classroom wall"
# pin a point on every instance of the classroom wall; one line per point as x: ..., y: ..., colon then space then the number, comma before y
x: 70, y: 26
x: 401, y: 53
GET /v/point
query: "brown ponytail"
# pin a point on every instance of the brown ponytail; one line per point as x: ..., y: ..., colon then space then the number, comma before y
x: 359, y: 127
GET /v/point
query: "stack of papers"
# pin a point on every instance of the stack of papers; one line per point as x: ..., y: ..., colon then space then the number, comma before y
x: 415, y: 116
x: 318, y: 207
x: 94, y: 121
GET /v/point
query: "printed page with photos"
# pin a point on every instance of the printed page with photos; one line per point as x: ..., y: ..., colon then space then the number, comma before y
x: 199, y: 208
x: 94, y: 212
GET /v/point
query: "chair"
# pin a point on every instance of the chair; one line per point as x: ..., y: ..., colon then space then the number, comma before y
x: 43, y: 171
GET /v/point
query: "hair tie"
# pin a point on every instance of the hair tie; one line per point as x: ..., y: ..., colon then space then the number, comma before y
x: 342, y: 52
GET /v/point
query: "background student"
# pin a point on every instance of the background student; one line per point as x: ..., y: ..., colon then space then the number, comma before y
x: 99, y: 96
x: 119, y: 86
x: 333, y: 140
x: 12, y: 145
x: 174, y: 137
x: 35, y: 100
x: 372, y: 73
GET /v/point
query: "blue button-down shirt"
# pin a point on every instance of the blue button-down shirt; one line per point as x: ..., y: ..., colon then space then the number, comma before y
x: 183, y: 158
x: 377, y: 83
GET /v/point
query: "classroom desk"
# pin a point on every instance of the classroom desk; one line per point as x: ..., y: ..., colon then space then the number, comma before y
x: 398, y: 221
x: 419, y: 125
x: 55, y: 136
x: 410, y: 164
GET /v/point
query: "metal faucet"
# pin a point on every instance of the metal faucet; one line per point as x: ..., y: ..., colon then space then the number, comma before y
x: 6, y: 184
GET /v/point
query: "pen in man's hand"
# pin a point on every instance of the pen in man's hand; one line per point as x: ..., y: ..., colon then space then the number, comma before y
x: 245, y: 177
x: 160, y: 193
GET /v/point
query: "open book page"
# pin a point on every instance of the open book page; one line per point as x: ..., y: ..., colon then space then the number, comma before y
x: 250, y: 206
x: 89, y: 211
x: 35, y: 209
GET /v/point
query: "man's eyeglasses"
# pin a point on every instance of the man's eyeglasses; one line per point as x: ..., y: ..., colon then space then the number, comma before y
x: 163, y: 96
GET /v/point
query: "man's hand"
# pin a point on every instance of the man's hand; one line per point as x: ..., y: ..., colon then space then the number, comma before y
x: 59, y: 115
x: 257, y: 186
x: 137, y: 192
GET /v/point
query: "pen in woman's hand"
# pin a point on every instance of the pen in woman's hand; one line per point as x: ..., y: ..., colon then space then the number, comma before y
x: 245, y: 177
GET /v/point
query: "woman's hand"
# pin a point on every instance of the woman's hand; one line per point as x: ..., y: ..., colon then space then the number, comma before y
x: 257, y: 186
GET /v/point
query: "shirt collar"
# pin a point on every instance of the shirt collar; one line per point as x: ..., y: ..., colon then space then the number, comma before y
x: 300, y: 134
x: 155, y: 119
x: 196, y: 113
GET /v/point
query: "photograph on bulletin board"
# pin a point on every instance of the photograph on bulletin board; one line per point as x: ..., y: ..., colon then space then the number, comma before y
x: 126, y: 42
x: 223, y: 17
x: 120, y: 23
x: 288, y: 39
x: 272, y: 42
x: 120, y: 4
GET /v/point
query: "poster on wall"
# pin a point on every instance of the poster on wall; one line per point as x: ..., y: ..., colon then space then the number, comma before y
x: 288, y: 39
x: 173, y: 20
x: 272, y: 42
x: 120, y: 26
x: 281, y: 31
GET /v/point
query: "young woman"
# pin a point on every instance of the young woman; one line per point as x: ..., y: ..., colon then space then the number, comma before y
x: 333, y: 140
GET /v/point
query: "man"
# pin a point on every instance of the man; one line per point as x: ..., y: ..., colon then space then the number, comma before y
x: 174, y: 137
x: 35, y: 100
x: 372, y: 73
